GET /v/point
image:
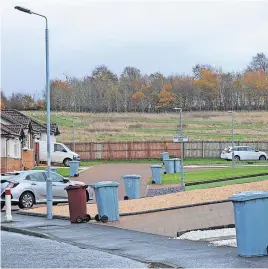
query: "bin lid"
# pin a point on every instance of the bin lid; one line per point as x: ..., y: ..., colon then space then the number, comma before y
x: 75, y: 187
x: 164, y: 152
x: 248, y: 195
x: 105, y: 184
x: 131, y: 176
x: 156, y: 166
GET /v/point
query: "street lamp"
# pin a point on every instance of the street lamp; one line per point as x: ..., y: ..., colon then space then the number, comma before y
x: 49, y: 182
x: 74, y: 134
x: 182, y: 168
x: 232, y: 112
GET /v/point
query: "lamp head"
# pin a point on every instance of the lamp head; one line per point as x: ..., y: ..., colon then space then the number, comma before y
x: 22, y: 9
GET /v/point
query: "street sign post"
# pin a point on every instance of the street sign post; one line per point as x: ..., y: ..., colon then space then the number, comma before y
x: 179, y: 139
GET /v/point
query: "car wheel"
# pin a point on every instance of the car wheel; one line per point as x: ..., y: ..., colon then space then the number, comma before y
x: 66, y: 162
x: 262, y: 158
x: 26, y: 200
x: 2, y: 205
x: 236, y: 158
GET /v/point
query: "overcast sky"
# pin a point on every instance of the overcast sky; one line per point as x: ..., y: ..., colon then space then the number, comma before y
x: 169, y: 37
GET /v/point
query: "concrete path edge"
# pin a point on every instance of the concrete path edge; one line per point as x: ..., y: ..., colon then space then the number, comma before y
x: 24, y: 231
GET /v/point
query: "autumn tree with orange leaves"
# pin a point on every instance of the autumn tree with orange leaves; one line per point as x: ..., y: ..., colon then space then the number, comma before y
x: 207, y: 88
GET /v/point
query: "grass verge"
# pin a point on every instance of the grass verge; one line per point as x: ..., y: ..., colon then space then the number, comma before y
x: 224, y: 183
x: 213, y: 174
x: 64, y: 171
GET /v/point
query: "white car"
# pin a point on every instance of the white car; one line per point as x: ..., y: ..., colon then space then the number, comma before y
x: 243, y: 153
x: 29, y: 188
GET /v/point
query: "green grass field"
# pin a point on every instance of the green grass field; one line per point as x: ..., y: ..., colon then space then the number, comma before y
x: 148, y: 127
x: 213, y: 174
x: 224, y: 183
x: 64, y: 171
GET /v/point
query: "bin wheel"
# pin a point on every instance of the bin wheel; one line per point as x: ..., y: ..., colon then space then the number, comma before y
x: 153, y: 182
x: 97, y: 217
x: 165, y: 172
x: 125, y: 197
x: 104, y: 218
x: 87, y: 218
x: 79, y: 219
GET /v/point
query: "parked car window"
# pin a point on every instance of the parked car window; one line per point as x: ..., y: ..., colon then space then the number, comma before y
x: 58, y: 147
x: 36, y: 177
x: 56, y: 177
x: 251, y: 149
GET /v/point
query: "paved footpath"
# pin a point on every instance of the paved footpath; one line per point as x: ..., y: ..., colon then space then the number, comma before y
x: 138, y: 246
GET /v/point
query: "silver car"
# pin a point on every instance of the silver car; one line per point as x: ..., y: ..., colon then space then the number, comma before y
x: 29, y: 188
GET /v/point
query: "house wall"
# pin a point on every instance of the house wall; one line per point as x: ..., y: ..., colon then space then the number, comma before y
x: 43, y: 137
x: 13, y: 148
x: 17, y: 159
x: 3, y: 147
x: 11, y: 164
x: 28, y: 159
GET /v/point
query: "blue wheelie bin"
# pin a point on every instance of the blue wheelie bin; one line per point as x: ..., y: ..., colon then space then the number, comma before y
x: 106, y: 194
x: 251, y: 222
x: 169, y: 166
x: 156, y: 173
x: 132, y: 186
x: 74, y: 168
x: 177, y: 165
x: 164, y: 156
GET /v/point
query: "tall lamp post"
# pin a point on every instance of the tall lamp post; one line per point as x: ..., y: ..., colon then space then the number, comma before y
x: 49, y: 182
x: 181, y: 146
x: 74, y: 134
x: 233, y: 161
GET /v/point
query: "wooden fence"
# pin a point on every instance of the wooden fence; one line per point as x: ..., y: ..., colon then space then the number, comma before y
x: 153, y: 149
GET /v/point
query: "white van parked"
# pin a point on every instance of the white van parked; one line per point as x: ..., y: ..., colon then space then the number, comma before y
x: 60, y: 153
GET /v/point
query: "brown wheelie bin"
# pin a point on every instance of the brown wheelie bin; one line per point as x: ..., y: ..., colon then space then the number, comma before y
x: 77, y: 199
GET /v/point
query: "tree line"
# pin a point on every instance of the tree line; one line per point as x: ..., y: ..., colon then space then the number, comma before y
x: 208, y: 88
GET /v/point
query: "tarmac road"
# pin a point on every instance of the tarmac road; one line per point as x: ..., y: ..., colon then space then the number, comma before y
x: 22, y: 251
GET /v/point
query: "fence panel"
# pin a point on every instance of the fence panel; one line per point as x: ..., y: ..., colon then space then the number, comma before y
x: 153, y: 149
